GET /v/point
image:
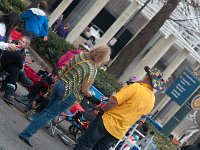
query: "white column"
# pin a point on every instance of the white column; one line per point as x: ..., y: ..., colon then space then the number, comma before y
x: 171, y: 114
x: 161, y: 104
x: 153, y: 56
x: 87, y: 18
x: 176, y: 62
x: 58, y: 11
x: 121, y: 20
x: 196, y: 66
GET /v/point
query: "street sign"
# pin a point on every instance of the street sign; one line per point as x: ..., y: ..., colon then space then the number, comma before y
x: 183, y: 87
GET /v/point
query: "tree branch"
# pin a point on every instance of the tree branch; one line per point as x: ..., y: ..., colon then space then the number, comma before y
x: 182, y: 20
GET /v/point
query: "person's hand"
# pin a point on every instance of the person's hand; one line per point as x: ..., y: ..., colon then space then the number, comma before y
x: 45, y: 38
x: 88, y: 94
x: 96, y: 112
x: 12, y: 47
x: 34, y: 105
x: 104, y: 98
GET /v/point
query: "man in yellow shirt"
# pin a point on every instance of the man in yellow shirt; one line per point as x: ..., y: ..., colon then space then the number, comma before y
x: 121, y: 112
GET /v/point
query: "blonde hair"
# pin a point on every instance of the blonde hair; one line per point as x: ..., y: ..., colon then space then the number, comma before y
x: 100, y: 54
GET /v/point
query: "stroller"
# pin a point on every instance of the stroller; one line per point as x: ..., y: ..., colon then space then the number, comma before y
x: 30, y: 73
x: 79, y: 117
x: 35, y: 98
x: 75, y: 116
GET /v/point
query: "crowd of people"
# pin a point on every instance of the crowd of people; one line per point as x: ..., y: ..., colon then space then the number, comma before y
x: 72, y: 83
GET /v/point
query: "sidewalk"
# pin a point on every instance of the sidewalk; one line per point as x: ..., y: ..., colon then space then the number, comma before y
x: 12, y: 123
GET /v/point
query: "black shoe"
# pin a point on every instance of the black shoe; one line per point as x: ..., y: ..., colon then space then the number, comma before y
x: 8, y: 100
x: 2, y: 89
x: 25, y: 141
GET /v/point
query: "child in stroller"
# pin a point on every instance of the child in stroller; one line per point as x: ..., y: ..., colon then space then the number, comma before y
x: 78, y: 117
x: 79, y: 123
x: 36, y: 99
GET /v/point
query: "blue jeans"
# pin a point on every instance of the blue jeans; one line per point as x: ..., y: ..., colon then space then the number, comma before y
x: 55, y: 107
x: 96, y: 137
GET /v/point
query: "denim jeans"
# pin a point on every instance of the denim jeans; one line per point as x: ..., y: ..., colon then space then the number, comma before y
x: 96, y: 137
x: 55, y: 107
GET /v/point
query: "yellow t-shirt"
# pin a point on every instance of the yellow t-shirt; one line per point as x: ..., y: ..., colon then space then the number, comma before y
x: 134, y: 101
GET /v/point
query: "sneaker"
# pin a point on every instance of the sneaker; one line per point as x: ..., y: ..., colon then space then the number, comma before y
x: 3, y: 87
x: 8, y: 99
x: 25, y: 140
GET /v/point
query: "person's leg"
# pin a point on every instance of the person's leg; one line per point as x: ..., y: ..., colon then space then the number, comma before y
x: 13, y: 72
x: 12, y: 58
x: 91, y: 137
x: 105, y: 143
x: 24, y: 80
x: 11, y: 62
x: 33, y: 94
x: 10, y: 82
x: 3, y: 87
x: 55, y: 108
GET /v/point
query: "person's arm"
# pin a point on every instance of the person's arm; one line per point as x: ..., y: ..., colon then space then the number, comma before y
x: 9, y: 46
x: 123, y: 95
x: 46, y: 27
x: 112, y: 103
x: 86, y: 89
x: 3, y: 45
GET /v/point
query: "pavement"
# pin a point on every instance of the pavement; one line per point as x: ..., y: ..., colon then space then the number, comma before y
x: 12, y: 122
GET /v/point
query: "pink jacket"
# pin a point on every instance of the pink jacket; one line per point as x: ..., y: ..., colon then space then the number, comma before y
x: 64, y: 59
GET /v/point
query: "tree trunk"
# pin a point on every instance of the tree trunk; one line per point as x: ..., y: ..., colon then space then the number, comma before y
x: 131, y: 50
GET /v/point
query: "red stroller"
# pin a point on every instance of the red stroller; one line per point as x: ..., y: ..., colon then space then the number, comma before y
x: 78, y: 124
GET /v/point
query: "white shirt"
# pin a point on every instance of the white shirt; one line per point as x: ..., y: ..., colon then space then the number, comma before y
x: 3, y: 45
